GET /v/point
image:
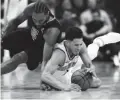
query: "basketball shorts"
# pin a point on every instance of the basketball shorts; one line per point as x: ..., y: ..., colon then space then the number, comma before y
x: 21, y: 40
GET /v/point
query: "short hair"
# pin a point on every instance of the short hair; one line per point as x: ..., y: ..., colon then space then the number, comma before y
x: 73, y: 32
x: 40, y: 7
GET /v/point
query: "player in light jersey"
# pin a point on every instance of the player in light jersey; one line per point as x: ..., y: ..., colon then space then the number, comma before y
x: 62, y: 64
x: 64, y: 58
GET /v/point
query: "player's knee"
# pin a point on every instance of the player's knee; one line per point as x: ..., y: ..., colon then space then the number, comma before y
x: 96, y: 83
x: 20, y: 57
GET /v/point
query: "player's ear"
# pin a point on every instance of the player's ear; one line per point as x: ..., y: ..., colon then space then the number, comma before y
x: 68, y: 42
x: 48, y: 17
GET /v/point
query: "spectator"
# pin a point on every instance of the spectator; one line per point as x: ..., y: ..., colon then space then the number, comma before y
x: 59, y: 9
x: 94, y: 21
x: 114, y: 6
x: 78, y: 7
x: 115, y: 11
x: 67, y: 21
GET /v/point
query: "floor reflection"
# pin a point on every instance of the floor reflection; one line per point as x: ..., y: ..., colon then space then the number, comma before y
x: 110, y: 88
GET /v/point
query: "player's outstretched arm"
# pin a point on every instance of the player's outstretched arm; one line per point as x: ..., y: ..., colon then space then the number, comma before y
x: 13, y: 24
x: 53, y: 64
x: 86, y: 60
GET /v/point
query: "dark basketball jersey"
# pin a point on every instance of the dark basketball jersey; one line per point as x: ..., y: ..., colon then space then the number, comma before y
x: 37, y: 33
x: 31, y: 37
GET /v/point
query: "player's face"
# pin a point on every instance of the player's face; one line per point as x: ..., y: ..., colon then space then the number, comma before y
x: 76, y: 46
x: 39, y: 18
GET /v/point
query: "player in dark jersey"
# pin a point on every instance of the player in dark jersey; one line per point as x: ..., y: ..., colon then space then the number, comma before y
x: 33, y: 44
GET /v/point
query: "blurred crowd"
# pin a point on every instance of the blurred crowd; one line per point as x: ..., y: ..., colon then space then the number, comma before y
x: 94, y: 17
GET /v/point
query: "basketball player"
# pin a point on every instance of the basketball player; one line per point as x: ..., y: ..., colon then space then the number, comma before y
x: 69, y: 56
x: 65, y: 57
x: 27, y: 44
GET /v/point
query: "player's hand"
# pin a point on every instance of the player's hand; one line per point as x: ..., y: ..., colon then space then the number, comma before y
x: 75, y: 87
x: 92, y: 70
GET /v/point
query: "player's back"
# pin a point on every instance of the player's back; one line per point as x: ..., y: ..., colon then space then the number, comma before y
x: 41, y: 31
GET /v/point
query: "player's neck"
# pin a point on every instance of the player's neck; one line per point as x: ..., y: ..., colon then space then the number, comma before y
x: 70, y: 54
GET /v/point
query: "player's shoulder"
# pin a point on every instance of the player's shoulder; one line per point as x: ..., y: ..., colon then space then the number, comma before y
x: 59, y: 51
x: 29, y: 9
x: 60, y: 47
x: 58, y: 56
x: 53, y: 23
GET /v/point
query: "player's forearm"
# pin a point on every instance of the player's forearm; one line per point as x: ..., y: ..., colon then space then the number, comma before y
x: 85, y: 56
x: 51, y: 80
x: 87, y: 61
x: 47, y: 53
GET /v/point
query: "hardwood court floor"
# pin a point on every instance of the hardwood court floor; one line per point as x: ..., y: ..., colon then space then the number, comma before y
x: 28, y: 87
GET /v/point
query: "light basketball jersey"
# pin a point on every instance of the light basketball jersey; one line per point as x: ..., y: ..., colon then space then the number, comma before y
x: 70, y: 63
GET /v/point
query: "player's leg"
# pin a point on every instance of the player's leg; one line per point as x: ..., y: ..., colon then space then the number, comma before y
x: 111, y: 37
x: 98, y: 42
x: 12, y: 64
x: 16, y: 41
x: 35, y: 55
